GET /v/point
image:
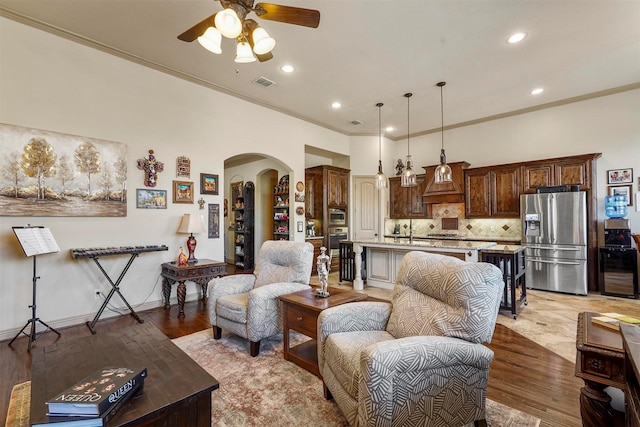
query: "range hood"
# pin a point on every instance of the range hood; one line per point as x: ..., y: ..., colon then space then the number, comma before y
x: 448, y: 192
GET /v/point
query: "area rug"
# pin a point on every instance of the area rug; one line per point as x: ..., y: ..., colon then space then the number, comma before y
x: 269, y: 391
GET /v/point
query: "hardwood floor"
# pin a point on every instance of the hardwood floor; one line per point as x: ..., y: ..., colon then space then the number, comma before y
x: 524, y: 375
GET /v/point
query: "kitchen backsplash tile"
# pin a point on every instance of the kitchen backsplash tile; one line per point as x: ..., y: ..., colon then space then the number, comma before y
x: 490, y: 228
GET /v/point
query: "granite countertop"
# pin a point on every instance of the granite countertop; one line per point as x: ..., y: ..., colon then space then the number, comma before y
x: 314, y: 237
x: 504, y: 249
x: 428, y: 243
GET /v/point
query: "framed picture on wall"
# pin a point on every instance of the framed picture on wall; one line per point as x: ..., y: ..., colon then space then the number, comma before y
x: 208, y: 184
x: 151, y: 199
x: 182, y: 192
x: 622, y: 190
x: 214, y: 221
x: 620, y: 176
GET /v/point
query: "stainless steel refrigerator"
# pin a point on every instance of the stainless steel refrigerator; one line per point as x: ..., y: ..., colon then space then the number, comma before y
x: 554, y: 230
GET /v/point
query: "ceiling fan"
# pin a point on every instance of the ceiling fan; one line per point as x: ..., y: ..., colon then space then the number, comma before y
x: 252, y: 40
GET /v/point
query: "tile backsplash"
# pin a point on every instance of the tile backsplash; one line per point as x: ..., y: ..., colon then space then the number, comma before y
x: 490, y: 228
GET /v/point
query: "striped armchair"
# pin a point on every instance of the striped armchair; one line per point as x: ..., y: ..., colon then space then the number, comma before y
x: 248, y: 305
x: 417, y: 361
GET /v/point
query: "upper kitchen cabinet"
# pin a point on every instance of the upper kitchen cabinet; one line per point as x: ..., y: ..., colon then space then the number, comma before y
x: 337, y: 187
x: 573, y: 170
x: 492, y: 192
x: 406, y: 202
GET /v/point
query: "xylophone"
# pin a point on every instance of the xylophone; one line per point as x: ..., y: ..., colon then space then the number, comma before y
x: 95, y: 253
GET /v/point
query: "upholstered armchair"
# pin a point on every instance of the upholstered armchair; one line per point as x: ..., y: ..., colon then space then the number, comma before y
x: 417, y: 361
x: 248, y: 305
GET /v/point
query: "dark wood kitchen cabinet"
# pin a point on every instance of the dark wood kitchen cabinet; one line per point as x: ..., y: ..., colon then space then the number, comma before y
x: 574, y: 170
x: 492, y: 192
x: 406, y: 202
x: 313, y: 193
x: 337, y: 188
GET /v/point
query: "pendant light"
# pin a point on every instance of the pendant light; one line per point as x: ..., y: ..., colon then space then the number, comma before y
x: 408, y: 178
x: 443, y: 171
x: 381, y: 180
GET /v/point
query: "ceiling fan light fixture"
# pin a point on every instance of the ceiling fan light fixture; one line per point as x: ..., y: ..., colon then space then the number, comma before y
x: 228, y: 23
x: 211, y: 40
x: 244, y: 53
x: 262, y: 42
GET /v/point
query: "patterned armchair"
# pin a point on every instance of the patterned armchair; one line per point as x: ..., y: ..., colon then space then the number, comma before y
x: 417, y: 361
x: 248, y: 305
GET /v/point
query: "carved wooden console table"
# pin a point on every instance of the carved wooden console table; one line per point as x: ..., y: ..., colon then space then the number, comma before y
x: 200, y: 272
x: 600, y: 364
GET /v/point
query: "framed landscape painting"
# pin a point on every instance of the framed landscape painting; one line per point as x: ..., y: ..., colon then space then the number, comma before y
x: 151, y: 199
x: 208, y: 184
x: 182, y: 192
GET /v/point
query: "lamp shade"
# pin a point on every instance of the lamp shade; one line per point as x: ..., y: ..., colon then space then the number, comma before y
x: 228, y: 23
x: 244, y: 53
x: 408, y: 178
x: 211, y: 40
x: 262, y: 42
x: 191, y: 224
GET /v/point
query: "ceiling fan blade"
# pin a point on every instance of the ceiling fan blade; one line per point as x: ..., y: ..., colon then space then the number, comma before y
x: 288, y: 14
x: 263, y: 58
x: 197, y: 30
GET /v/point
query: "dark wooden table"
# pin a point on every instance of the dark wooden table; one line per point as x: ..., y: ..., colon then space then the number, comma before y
x: 300, y: 311
x: 200, y: 272
x: 600, y: 364
x: 177, y: 391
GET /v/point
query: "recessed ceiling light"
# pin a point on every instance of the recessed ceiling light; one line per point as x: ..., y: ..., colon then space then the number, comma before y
x: 287, y: 68
x: 389, y: 128
x: 537, y: 91
x: 336, y: 105
x: 517, y: 37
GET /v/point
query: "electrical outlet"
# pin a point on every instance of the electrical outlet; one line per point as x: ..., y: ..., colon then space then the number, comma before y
x: 493, y: 228
x: 97, y: 293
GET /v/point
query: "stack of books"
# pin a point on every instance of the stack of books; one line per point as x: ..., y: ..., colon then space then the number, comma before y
x: 94, y: 400
x: 613, y: 320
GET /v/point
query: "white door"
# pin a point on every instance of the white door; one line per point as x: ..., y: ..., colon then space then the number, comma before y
x: 366, y: 210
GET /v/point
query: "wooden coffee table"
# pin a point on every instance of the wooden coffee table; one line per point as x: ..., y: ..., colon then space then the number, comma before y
x: 300, y: 311
x: 177, y: 391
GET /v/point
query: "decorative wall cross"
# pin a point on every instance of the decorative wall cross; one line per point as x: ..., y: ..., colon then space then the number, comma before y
x: 151, y: 167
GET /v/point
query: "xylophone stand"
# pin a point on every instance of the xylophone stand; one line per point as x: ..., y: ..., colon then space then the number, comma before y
x: 115, y: 288
x: 34, y: 318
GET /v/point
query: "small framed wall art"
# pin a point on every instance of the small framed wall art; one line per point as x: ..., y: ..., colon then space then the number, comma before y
x: 214, y: 221
x: 183, y: 167
x: 182, y: 192
x: 208, y: 184
x: 620, y: 176
x: 151, y: 199
x: 622, y: 190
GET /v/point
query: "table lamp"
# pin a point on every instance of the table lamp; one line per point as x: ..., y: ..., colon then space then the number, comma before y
x: 191, y: 224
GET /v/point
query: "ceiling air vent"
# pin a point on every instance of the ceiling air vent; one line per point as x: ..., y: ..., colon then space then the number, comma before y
x: 263, y: 81
x: 355, y: 122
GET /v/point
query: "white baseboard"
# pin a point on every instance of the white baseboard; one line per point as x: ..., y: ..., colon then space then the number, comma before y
x: 81, y: 319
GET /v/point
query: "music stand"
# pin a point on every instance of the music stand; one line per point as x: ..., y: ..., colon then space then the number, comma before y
x: 35, y: 240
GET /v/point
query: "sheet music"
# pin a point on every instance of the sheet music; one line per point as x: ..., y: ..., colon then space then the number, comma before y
x: 36, y: 240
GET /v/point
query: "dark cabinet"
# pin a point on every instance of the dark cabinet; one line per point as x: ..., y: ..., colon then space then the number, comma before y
x: 406, y: 202
x: 243, y: 214
x: 492, y: 192
x: 337, y: 188
x: 575, y: 170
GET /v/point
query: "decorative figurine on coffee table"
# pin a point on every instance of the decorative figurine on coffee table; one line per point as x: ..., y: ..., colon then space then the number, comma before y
x: 182, y: 257
x: 323, y: 265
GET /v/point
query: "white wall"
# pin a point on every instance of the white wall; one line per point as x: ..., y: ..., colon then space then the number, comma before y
x: 50, y: 83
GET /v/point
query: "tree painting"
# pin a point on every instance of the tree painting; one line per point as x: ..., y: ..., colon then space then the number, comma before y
x: 47, y: 173
x: 87, y: 159
x: 38, y: 160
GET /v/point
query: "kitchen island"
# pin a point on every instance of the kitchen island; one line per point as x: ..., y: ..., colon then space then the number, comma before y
x: 384, y: 256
